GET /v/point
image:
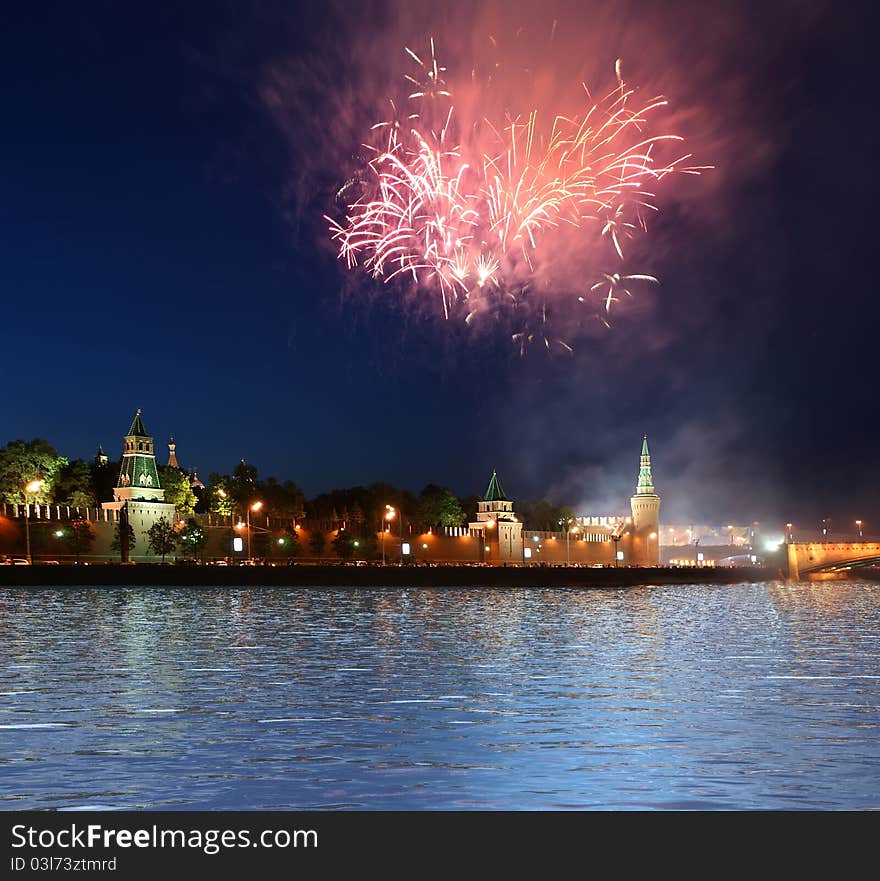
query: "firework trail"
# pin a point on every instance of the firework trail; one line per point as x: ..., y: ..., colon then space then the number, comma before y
x: 467, y: 212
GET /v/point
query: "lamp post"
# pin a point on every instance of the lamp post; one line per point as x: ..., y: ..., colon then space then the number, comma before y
x: 254, y: 507
x: 859, y: 527
x: 390, y: 514
x: 31, y: 488
x: 568, y: 531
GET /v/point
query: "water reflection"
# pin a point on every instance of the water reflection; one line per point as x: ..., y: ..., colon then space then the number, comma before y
x: 753, y: 696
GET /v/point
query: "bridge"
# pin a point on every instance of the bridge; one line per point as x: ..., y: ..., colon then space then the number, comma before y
x: 808, y: 557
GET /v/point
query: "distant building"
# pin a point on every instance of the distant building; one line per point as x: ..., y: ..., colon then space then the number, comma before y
x: 172, y: 454
x: 138, y: 495
x: 101, y: 459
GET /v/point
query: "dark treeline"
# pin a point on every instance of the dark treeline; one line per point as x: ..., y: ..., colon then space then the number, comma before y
x: 360, y: 510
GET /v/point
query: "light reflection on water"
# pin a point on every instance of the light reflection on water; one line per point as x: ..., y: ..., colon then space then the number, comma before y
x: 748, y: 696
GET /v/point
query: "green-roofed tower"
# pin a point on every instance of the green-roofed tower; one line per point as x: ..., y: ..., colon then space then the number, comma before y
x: 138, y: 497
x: 138, y: 477
x: 497, y: 527
x: 645, y: 506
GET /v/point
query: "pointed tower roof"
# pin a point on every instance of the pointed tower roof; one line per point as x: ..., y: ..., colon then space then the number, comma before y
x: 138, y: 477
x: 494, y: 492
x: 645, y: 485
x: 137, y: 426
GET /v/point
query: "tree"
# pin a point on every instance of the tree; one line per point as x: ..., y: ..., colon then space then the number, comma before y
x: 192, y: 538
x: 343, y: 545
x: 367, y: 545
x: 317, y: 542
x: 220, y: 501
x: 24, y: 461
x: 104, y: 479
x: 74, y: 485
x: 471, y: 505
x: 439, y: 506
x: 287, y: 543
x: 77, y: 536
x: 545, y: 516
x: 178, y: 490
x: 284, y: 500
x: 122, y: 535
x: 244, y: 484
x: 162, y: 538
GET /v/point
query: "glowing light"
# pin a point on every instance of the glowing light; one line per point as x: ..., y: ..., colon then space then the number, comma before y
x: 34, y: 486
x: 466, y: 206
x: 256, y: 506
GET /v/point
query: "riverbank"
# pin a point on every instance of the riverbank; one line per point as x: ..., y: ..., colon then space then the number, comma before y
x: 146, y: 574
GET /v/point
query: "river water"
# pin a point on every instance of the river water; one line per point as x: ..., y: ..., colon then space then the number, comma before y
x: 690, y: 697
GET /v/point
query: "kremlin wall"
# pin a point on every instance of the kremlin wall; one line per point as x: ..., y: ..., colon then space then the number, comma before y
x: 497, y: 537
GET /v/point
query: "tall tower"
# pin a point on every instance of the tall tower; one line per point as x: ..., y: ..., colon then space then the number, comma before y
x: 138, y: 496
x: 138, y: 477
x: 501, y: 530
x: 172, y: 454
x: 645, y: 506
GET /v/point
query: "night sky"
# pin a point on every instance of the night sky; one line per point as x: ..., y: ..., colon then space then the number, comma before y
x: 165, y: 169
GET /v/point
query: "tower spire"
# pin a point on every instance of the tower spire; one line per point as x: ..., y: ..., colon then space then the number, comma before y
x: 172, y: 454
x: 645, y: 504
x: 494, y: 492
x: 645, y: 485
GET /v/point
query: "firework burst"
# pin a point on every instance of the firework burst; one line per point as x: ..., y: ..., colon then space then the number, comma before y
x: 467, y: 212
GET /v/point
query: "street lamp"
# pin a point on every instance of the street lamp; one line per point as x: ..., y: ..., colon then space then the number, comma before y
x: 31, y: 488
x: 390, y: 514
x: 789, y: 527
x: 615, y: 537
x: 859, y: 527
x: 568, y: 533
x: 254, y: 507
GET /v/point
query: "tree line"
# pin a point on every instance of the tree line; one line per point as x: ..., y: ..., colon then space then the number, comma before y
x: 360, y: 511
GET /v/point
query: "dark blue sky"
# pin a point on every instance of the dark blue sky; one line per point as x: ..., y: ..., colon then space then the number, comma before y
x: 155, y: 252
